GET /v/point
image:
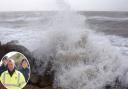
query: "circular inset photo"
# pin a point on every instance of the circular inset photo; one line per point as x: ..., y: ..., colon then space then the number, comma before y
x: 14, y: 70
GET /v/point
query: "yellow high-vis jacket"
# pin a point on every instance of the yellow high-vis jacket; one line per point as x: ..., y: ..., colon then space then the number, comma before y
x: 16, y: 81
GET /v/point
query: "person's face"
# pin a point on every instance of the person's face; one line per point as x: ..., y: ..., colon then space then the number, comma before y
x: 10, y: 66
x: 24, y: 64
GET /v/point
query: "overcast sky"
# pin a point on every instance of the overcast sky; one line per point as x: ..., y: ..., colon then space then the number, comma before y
x: 35, y: 5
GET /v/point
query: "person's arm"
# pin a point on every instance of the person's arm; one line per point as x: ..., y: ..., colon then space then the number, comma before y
x: 22, y: 81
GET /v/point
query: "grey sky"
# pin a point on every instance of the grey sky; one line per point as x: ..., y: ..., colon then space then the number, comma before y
x: 99, y: 4
x: 26, y: 5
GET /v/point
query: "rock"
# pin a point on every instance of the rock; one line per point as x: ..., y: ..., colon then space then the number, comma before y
x: 12, y: 46
x: 115, y: 85
x: 34, y: 79
x: 34, y: 87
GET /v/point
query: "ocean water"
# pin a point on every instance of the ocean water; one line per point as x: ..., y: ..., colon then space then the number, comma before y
x: 113, y: 24
x: 90, y: 49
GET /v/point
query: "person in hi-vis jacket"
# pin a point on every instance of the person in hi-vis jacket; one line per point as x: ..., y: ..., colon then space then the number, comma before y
x: 12, y: 78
